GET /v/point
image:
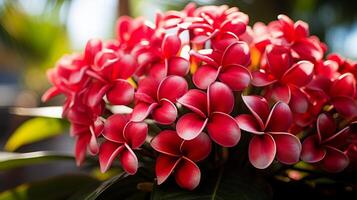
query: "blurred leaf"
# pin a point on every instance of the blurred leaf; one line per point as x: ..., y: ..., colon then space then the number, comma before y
x: 13, y: 160
x: 55, y: 188
x: 228, y: 184
x: 34, y: 130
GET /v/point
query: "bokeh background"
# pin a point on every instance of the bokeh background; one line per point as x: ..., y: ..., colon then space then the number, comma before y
x: 35, y: 33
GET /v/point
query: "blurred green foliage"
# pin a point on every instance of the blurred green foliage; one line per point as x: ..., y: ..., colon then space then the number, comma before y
x: 36, y: 41
x: 34, y: 130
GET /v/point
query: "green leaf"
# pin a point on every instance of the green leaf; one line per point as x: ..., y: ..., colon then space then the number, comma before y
x: 104, y: 186
x: 228, y: 184
x: 13, y: 160
x: 122, y: 186
x: 56, y: 188
x: 34, y: 130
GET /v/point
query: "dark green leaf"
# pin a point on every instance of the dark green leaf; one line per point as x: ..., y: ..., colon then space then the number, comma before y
x: 13, y: 160
x: 104, y: 186
x: 56, y: 188
x: 122, y: 186
x: 228, y: 184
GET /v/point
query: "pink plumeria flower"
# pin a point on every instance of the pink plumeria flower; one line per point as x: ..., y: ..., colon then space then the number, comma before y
x: 179, y: 157
x: 323, y: 147
x: 285, y: 78
x: 157, y: 98
x: 229, y: 67
x: 270, y: 128
x: 209, y: 110
x: 123, y: 136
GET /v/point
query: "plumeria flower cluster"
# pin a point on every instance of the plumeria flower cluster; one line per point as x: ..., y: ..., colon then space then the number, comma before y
x: 203, y: 77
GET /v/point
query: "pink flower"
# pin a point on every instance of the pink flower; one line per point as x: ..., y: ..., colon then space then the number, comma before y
x: 209, y: 110
x: 293, y: 35
x: 179, y: 157
x: 339, y: 92
x: 86, y: 127
x: 344, y: 65
x: 111, y: 71
x: 123, y: 136
x: 172, y: 63
x: 228, y: 66
x: 157, y: 98
x: 213, y: 22
x: 285, y: 78
x: 322, y: 148
x: 68, y: 78
x: 271, y: 137
x: 131, y: 32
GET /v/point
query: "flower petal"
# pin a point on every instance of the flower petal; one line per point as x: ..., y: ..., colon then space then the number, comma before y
x: 141, y: 111
x: 172, y: 88
x: 74, y: 115
x: 237, y: 53
x: 300, y: 74
x: 279, y: 59
x: 280, y: 118
x: 190, y: 125
x: 223, y: 129
x: 259, y: 107
x: 164, y: 167
x: 165, y: 113
x: 127, y: 65
x: 93, y: 46
x: 50, y: 93
x: 129, y: 161
x: 220, y: 98
x: 204, y: 76
x: 345, y: 85
x: 236, y: 77
x: 299, y: 102
x: 195, y: 100
x: 167, y: 142
x: 279, y: 93
x: 121, y: 93
x: 78, y: 129
x: 326, y: 126
x: 248, y: 123
x: 262, y: 150
x: 82, y: 142
x: 171, y: 45
x: 93, y: 144
x: 311, y: 151
x: 178, y: 66
x: 107, y: 152
x: 187, y: 174
x: 334, y: 161
x: 135, y: 133
x: 148, y: 86
x: 190, y: 150
x: 288, y: 147
x: 307, y: 49
x: 261, y: 79
x: 114, y: 127
x: 346, y: 106
x: 158, y: 71
x: 96, y: 93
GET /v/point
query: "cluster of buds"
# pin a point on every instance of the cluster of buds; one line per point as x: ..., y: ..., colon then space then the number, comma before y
x: 202, y: 77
